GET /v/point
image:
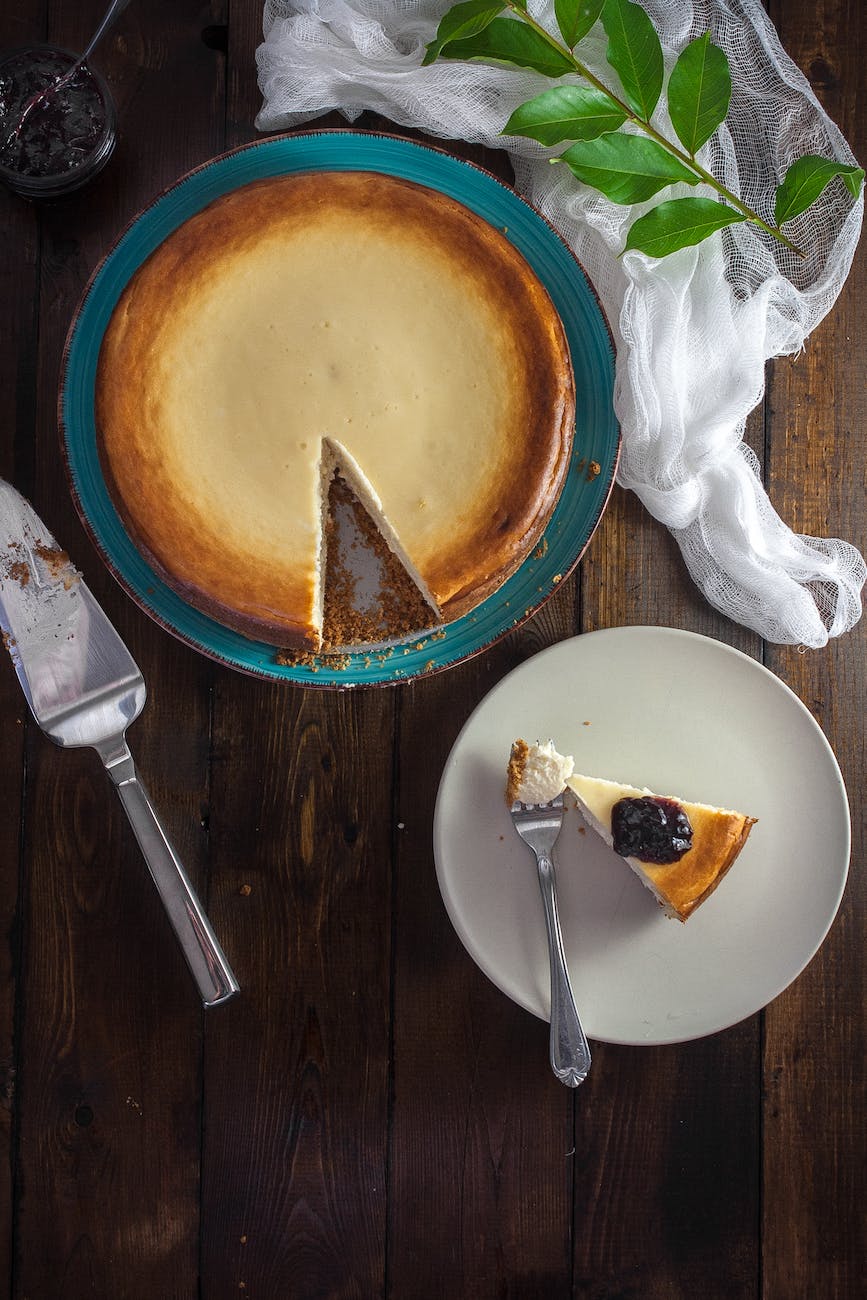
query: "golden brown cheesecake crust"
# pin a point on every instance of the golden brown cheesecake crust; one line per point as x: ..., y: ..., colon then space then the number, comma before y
x: 171, y: 313
x: 515, y: 769
x: 717, y: 838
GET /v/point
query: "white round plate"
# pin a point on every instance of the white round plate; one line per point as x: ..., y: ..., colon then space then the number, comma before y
x: 681, y: 714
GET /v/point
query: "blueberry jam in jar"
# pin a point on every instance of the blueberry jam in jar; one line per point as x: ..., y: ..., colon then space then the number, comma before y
x: 650, y: 829
x: 67, y: 137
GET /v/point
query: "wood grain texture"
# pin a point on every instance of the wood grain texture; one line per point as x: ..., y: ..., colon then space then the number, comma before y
x: 481, y: 1140
x: 296, y: 1114
x: 372, y: 1118
x: 19, y: 324
x: 815, y: 1098
x: 663, y: 1135
x: 297, y: 1071
x: 108, y: 1114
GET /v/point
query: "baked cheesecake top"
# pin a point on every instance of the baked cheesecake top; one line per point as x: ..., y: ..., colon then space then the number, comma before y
x: 352, y: 313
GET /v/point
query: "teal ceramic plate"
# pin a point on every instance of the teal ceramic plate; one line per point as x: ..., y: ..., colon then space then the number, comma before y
x: 597, y: 437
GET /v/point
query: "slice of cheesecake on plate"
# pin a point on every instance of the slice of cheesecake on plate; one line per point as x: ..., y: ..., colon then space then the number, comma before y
x: 678, y: 849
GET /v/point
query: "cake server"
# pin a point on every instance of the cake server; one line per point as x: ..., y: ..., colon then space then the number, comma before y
x: 538, y: 825
x: 84, y: 688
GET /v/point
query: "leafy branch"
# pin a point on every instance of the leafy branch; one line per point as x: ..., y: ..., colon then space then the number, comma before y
x: 629, y: 166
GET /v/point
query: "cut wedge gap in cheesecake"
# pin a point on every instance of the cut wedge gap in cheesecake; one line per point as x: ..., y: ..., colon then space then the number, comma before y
x: 369, y: 598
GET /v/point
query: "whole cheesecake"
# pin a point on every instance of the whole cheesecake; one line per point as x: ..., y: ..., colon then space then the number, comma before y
x: 326, y: 323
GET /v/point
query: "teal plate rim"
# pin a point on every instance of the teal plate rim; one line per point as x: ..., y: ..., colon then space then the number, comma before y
x: 597, y: 437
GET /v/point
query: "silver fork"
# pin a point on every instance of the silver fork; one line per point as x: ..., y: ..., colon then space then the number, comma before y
x: 538, y: 825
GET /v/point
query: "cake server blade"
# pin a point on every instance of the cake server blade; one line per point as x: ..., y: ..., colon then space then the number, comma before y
x: 83, y: 687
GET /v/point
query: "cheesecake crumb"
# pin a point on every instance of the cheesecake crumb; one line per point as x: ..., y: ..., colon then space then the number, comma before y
x: 19, y: 571
x: 296, y: 659
x: 245, y: 891
x: 594, y: 469
x: 58, y: 563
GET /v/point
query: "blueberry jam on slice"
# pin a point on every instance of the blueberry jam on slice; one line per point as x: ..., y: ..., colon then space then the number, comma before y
x: 650, y: 829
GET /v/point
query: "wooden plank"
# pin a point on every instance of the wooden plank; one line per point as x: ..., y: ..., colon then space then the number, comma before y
x: 19, y: 261
x: 666, y: 1202
x: 481, y: 1134
x: 666, y: 1199
x: 815, y: 1233
x: 110, y: 1052
x: 667, y: 1171
x: 296, y: 1073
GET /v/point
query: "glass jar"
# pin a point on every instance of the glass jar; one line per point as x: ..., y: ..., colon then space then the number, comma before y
x: 65, y: 140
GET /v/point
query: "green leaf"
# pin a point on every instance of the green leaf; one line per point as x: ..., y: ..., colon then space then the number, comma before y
x: 566, y: 113
x: 625, y: 168
x: 462, y: 21
x: 699, y: 91
x: 806, y: 179
x: 575, y: 18
x: 508, y: 40
x: 679, y: 223
x: 635, y: 54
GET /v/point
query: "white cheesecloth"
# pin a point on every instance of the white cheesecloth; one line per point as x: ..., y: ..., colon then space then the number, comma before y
x: 693, y: 331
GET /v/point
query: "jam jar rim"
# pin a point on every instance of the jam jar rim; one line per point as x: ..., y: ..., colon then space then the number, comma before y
x: 58, y: 184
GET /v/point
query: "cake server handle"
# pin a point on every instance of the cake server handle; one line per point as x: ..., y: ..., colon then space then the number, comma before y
x: 570, y: 1051
x: 211, y: 971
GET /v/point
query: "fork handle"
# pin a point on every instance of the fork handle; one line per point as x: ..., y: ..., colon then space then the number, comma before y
x: 570, y: 1051
x: 201, y: 949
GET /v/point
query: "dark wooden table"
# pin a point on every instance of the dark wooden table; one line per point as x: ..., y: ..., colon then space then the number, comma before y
x: 372, y: 1117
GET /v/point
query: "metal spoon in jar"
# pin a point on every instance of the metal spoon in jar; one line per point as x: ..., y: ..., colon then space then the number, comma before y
x: 42, y: 96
